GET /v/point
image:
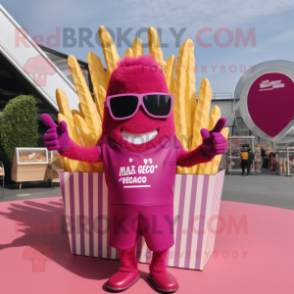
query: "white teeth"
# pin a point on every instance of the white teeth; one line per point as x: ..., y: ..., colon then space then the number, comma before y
x: 139, y: 138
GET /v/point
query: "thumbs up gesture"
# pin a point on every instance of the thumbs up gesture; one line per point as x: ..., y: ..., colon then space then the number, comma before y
x: 56, y: 137
x: 213, y: 142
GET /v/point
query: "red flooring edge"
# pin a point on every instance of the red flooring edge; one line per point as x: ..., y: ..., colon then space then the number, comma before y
x: 253, y: 254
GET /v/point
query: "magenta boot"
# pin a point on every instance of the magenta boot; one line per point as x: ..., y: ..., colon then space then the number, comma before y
x: 121, y: 281
x: 128, y: 272
x: 160, y: 278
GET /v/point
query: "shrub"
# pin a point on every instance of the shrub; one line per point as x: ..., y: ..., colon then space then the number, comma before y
x: 18, y: 127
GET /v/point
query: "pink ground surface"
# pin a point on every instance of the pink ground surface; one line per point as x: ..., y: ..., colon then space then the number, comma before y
x: 257, y: 260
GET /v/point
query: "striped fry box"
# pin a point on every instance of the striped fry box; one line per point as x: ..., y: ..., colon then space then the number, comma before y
x: 196, y: 208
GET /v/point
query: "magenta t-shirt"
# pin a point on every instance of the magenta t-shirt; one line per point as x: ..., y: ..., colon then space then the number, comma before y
x: 144, y: 178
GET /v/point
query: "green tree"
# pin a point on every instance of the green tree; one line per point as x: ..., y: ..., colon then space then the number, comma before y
x: 18, y: 127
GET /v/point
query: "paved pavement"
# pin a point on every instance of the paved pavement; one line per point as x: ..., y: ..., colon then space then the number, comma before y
x: 29, y: 191
x: 268, y: 190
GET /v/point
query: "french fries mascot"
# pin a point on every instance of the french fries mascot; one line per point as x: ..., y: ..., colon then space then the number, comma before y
x: 140, y: 152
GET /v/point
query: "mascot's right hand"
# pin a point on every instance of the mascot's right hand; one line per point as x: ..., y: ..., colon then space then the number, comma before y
x: 56, y: 138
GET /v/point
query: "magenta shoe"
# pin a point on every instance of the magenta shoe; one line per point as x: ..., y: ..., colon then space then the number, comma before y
x: 163, y: 281
x: 121, y: 281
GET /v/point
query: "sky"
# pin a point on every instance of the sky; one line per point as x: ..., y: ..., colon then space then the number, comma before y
x: 268, y: 26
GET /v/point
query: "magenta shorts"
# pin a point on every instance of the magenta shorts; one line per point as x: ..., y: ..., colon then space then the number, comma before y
x: 154, y: 222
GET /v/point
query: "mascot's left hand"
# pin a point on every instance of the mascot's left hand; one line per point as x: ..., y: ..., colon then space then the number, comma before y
x: 213, y: 142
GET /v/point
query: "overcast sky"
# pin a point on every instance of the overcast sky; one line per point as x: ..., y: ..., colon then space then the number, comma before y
x: 270, y: 22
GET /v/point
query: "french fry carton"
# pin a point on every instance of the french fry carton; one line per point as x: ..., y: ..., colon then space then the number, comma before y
x: 196, y: 207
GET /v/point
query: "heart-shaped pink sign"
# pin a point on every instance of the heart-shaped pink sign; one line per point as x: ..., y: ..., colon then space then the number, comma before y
x: 270, y: 102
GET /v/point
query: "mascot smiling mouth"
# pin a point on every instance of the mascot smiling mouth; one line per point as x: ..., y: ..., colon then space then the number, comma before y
x: 139, y: 138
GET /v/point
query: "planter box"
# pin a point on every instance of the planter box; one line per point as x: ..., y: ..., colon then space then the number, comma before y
x: 196, y: 207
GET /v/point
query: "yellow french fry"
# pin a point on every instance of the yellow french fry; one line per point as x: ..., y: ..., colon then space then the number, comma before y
x: 191, y: 93
x: 88, y: 108
x: 65, y: 111
x: 183, y: 88
x: 217, y: 159
x: 80, y: 110
x: 109, y: 50
x: 99, y: 101
x: 129, y: 53
x: 87, y: 138
x: 64, y: 163
x: 190, y: 90
x: 84, y: 108
x: 169, y: 71
x: 74, y: 111
x: 137, y: 47
x: 62, y: 102
x: 185, y: 95
x: 214, y: 117
x: 73, y: 165
x: 97, y: 72
x: 179, y: 108
x: 155, y: 46
x: 201, y: 118
x: 98, y: 78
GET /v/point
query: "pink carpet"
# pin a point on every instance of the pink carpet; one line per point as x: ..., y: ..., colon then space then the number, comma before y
x: 257, y: 260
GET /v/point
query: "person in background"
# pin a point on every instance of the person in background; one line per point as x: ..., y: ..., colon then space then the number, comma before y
x: 258, y: 159
x: 263, y: 156
x: 251, y: 157
x: 245, y: 161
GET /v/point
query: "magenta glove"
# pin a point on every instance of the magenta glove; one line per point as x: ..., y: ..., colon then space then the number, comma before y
x: 214, y: 143
x: 56, y: 138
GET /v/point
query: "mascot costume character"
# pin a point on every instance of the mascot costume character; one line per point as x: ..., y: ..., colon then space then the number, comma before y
x: 140, y: 153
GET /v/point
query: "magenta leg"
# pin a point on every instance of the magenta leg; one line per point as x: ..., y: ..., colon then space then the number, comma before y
x: 158, y: 262
x: 128, y: 259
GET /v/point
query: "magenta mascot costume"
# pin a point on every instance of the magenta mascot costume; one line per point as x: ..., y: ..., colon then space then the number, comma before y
x: 140, y: 152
